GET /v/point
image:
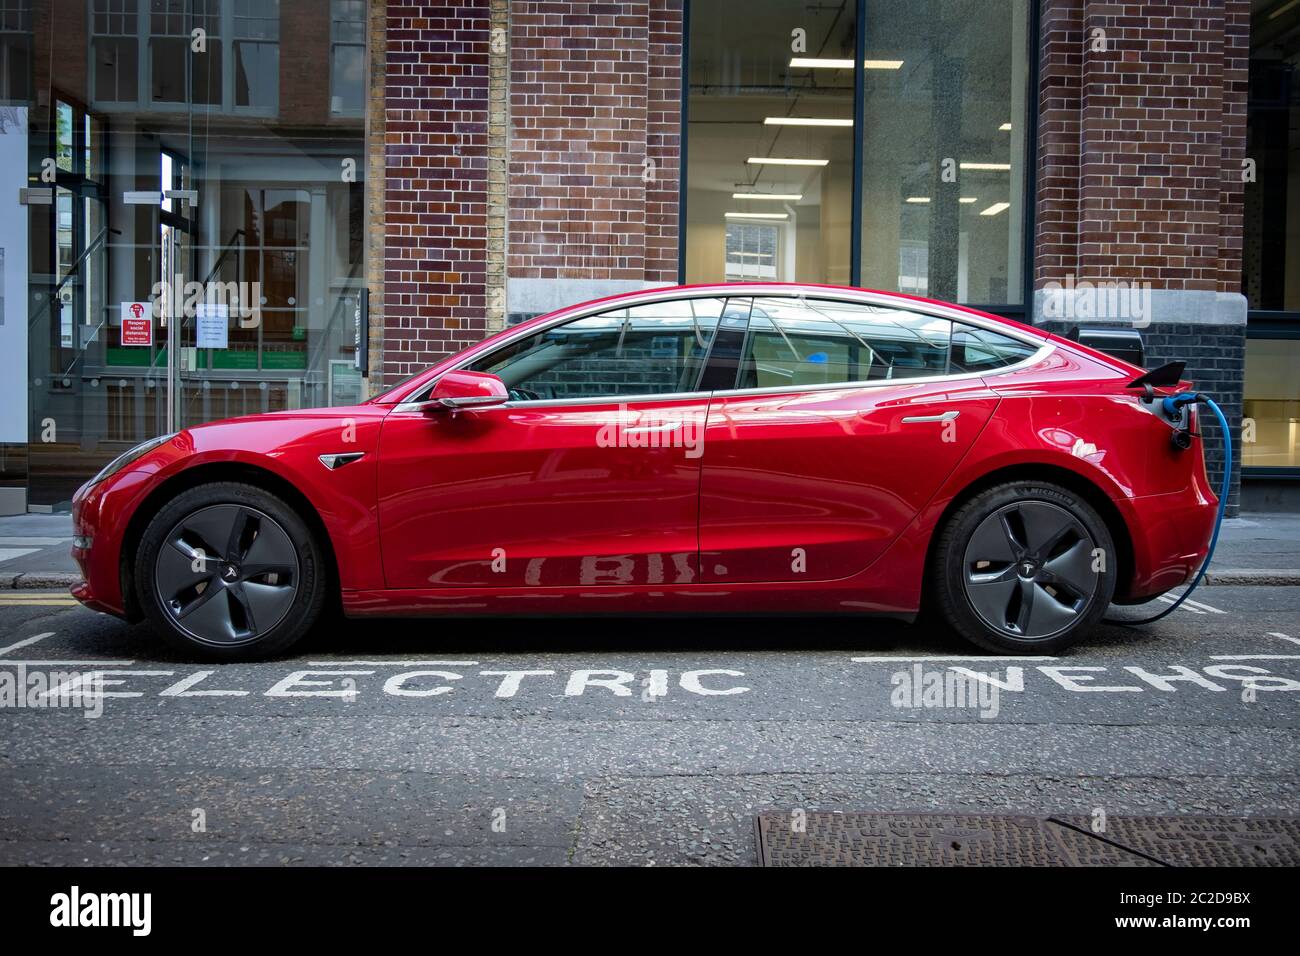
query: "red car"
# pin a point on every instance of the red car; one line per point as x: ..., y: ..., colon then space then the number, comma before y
x: 729, y: 449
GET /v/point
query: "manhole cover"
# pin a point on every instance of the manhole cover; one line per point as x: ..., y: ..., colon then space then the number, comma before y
x: 824, y: 838
x: 1206, y: 841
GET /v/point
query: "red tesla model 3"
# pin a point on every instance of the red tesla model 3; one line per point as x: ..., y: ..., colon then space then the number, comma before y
x: 727, y: 449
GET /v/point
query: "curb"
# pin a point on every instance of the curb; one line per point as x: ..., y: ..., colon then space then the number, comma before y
x: 1253, y: 577
x: 35, y: 580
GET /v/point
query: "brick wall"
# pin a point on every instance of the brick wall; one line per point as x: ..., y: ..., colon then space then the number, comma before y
x: 1141, y: 137
x: 435, y: 192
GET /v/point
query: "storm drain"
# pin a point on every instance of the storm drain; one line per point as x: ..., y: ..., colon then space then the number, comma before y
x: 823, y: 838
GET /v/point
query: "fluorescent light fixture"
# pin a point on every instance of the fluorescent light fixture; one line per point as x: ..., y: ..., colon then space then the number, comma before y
x: 786, y: 197
x: 779, y: 161
x: 757, y: 215
x: 917, y: 199
x: 968, y: 199
x: 820, y: 63
x: 829, y: 63
x: 1282, y: 9
x: 988, y: 166
x: 1005, y: 128
x: 996, y: 208
x: 805, y: 121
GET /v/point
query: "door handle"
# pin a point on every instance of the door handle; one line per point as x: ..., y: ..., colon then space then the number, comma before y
x: 945, y: 417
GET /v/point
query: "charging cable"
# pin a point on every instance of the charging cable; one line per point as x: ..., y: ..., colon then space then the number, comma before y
x: 1173, y: 407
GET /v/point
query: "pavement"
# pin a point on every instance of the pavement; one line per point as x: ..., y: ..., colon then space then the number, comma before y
x: 638, y: 742
x: 1254, y: 549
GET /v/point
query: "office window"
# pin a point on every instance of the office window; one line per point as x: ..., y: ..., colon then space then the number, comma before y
x: 347, y: 56
x: 257, y: 54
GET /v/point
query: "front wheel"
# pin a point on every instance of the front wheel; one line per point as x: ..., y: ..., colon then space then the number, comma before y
x: 227, y: 571
x: 1024, y: 566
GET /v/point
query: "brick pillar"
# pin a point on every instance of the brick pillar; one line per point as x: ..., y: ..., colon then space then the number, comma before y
x: 1141, y: 139
x: 595, y: 138
x: 435, y: 190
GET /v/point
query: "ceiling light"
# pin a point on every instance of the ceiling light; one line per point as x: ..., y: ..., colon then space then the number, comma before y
x: 757, y: 215
x: 968, y: 199
x: 830, y: 63
x: 917, y: 199
x: 996, y: 208
x: 1282, y: 9
x: 805, y: 121
x: 988, y: 166
x: 776, y: 161
x: 1005, y: 128
x: 786, y: 197
x: 820, y: 63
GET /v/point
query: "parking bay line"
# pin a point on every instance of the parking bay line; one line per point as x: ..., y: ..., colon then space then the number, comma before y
x: 912, y: 660
x: 25, y: 642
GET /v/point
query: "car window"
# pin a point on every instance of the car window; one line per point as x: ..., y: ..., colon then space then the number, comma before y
x: 642, y: 350
x: 797, y: 341
x: 979, y: 350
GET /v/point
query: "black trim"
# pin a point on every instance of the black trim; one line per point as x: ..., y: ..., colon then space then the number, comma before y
x: 1029, y: 239
x: 727, y: 348
x: 682, y: 141
x: 859, y: 143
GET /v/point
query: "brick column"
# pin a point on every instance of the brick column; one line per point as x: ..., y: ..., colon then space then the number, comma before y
x: 1141, y: 138
x: 435, y: 191
x: 595, y: 124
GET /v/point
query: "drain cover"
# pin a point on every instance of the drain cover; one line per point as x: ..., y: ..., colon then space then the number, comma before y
x: 824, y: 838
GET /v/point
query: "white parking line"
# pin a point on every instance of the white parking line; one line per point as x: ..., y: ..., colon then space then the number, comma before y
x: 12, y: 554
x: 1284, y: 637
x: 909, y: 660
x: 391, y: 663
x: 1196, y: 607
x: 66, y: 663
x: 25, y: 642
x: 1255, y: 657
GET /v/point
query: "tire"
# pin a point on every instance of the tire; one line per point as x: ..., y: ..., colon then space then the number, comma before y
x: 1015, y: 569
x: 227, y: 571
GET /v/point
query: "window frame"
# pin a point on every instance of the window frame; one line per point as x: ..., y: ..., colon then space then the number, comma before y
x: 410, y: 401
x: 1015, y: 310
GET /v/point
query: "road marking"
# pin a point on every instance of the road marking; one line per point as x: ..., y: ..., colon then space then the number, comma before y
x: 1255, y: 657
x: 908, y: 660
x: 12, y: 541
x: 1284, y: 637
x: 26, y: 642
x: 1196, y: 607
x: 12, y: 554
x: 39, y: 602
x: 66, y: 663
x: 391, y: 663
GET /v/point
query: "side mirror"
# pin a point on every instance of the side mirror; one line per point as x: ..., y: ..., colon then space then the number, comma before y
x: 461, y: 389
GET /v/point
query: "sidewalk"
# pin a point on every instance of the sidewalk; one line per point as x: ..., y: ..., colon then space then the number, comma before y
x: 1255, y: 549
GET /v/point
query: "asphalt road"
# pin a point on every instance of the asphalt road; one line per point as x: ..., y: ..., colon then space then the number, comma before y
x: 612, y: 741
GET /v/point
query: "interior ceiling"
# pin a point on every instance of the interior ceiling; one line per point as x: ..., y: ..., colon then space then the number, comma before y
x: 740, y: 73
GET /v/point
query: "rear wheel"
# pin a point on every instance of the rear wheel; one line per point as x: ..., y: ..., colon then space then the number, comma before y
x: 1024, y: 566
x: 228, y: 571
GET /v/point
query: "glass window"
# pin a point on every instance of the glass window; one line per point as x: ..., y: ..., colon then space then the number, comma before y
x: 15, y: 50
x: 979, y: 350
x: 347, y: 55
x: 943, y: 168
x: 817, y: 341
x: 115, y: 50
x: 644, y: 350
x: 770, y: 144
x: 1271, y: 244
x: 770, y: 130
x: 1271, y: 432
x: 257, y: 54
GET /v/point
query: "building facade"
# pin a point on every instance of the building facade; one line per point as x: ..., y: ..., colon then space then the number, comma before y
x: 321, y: 197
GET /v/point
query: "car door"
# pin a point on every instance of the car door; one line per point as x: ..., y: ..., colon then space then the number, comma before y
x: 846, y: 421
x: 589, y: 476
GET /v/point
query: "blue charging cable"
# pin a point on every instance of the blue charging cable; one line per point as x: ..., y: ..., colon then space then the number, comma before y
x: 1172, y: 405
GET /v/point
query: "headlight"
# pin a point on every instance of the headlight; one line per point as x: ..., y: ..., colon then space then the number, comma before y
x: 128, y: 456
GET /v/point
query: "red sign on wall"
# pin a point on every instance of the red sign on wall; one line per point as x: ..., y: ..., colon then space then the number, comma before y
x: 137, y: 323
